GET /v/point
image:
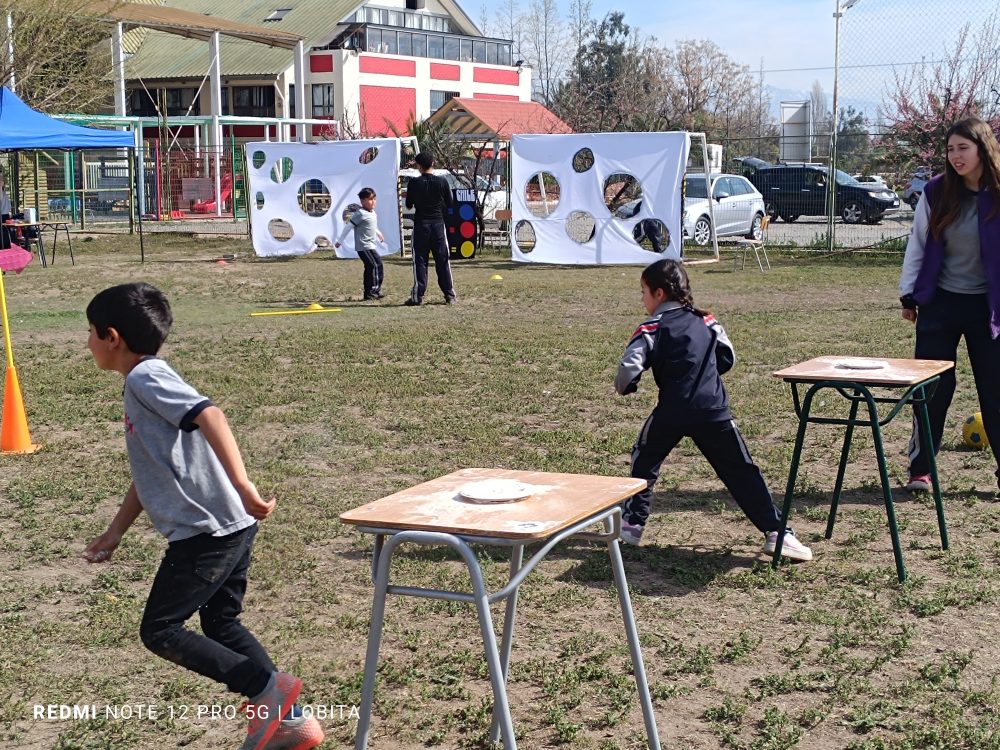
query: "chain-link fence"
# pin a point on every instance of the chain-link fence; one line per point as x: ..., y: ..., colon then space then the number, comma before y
x: 906, y: 70
x: 96, y: 189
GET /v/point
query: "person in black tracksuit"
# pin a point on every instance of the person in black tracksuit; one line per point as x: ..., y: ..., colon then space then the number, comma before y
x: 430, y: 196
x: 688, y: 350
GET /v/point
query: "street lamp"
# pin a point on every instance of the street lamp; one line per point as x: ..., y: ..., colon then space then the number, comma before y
x: 839, y: 7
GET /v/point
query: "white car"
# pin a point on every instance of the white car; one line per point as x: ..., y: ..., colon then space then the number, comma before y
x: 738, y: 208
x: 489, y: 197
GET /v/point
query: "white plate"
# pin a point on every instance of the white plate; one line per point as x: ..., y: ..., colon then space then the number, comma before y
x: 861, y: 364
x: 496, y: 491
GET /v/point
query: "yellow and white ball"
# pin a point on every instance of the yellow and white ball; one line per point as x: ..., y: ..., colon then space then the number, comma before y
x: 974, y: 433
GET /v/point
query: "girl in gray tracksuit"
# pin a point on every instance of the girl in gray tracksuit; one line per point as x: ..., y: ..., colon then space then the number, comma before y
x: 687, y: 351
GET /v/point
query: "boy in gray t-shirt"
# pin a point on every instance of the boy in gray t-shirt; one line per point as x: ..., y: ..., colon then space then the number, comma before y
x: 366, y: 238
x: 189, y: 477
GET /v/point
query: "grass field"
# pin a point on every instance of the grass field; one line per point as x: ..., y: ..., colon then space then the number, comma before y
x: 334, y: 410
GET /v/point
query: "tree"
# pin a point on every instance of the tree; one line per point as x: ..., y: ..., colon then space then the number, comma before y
x: 545, y: 48
x: 61, y: 54
x: 924, y: 102
x: 822, y: 121
x: 854, y: 144
x: 707, y: 91
x: 615, y: 82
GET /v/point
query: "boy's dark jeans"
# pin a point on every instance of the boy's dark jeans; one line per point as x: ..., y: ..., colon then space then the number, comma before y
x: 208, y: 575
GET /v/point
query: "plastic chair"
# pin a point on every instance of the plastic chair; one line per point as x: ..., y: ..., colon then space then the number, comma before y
x: 503, y: 218
x: 759, y: 248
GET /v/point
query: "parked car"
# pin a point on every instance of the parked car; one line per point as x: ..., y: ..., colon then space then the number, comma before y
x: 488, y: 196
x: 914, y: 187
x: 794, y: 190
x: 738, y: 208
x: 872, y: 179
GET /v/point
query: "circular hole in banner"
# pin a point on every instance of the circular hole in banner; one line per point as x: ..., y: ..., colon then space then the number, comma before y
x: 259, y: 200
x: 350, y: 209
x: 281, y: 170
x: 524, y: 236
x: 368, y: 155
x: 322, y: 243
x: 314, y: 198
x: 651, y: 234
x: 467, y: 250
x: 583, y: 160
x: 258, y: 159
x: 621, y: 189
x: 541, y: 194
x: 580, y: 226
x: 466, y: 211
x: 467, y: 229
x: 280, y: 229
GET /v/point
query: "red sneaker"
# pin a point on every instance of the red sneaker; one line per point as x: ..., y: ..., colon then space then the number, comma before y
x: 265, y: 710
x: 919, y: 483
x: 303, y: 733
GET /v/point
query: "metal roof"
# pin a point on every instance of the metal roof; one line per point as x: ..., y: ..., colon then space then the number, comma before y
x: 190, y: 24
x: 493, y: 118
x: 245, y: 36
x: 158, y: 55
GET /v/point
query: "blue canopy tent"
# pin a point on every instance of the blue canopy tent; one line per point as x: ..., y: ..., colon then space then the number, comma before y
x: 24, y: 129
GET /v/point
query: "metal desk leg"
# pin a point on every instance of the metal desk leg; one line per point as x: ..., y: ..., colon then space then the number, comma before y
x: 638, y: 668
x: 374, y: 639
x: 41, y: 250
x: 839, y: 486
x: 55, y: 239
x: 793, y: 471
x: 481, y: 597
x: 890, y: 511
x: 69, y: 244
x: 924, y: 423
x: 516, y: 558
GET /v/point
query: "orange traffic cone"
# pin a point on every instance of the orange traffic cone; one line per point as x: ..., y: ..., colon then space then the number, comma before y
x: 14, y: 435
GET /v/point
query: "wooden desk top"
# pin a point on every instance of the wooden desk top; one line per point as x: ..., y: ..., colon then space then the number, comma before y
x: 560, y: 500
x: 865, y: 370
x: 16, y: 223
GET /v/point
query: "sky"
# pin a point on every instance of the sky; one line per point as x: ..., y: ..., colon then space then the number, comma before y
x: 792, y: 41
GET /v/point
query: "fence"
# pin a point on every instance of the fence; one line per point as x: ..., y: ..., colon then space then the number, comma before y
x: 906, y: 70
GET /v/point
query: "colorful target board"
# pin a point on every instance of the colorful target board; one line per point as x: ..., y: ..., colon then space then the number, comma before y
x: 460, y: 224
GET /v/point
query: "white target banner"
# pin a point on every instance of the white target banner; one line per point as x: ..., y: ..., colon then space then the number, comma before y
x: 598, y: 198
x: 299, y: 192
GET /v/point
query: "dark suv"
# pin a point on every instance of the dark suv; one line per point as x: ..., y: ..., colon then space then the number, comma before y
x: 794, y: 190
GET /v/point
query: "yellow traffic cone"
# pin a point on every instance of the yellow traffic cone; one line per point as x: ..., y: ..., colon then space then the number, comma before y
x: 14, y: 434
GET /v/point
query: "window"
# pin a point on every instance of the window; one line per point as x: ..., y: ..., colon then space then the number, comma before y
x: 420, y: 45
x: 466, y: 55
x: 479, y: 52
x: 171, y: 102
x: 374, y: 40
x: 435, y: 46
x: 439, y: 98
x: 451, y: 48
x: 253, y: 101
x: 405, y: 43
x: 389, y: 42
x: 322, y: 99
x: 278, y: 14
x: 503, y: 54
x: 492, y: 52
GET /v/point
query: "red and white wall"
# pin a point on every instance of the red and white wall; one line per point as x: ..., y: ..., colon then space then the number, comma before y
x: 371, y: 90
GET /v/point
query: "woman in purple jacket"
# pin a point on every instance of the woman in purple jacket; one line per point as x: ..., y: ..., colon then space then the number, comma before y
x: 950, y: 284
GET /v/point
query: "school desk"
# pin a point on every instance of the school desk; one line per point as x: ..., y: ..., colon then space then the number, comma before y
x: 560, y: 507
x: 898, y: 383
x: 39, y: 239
